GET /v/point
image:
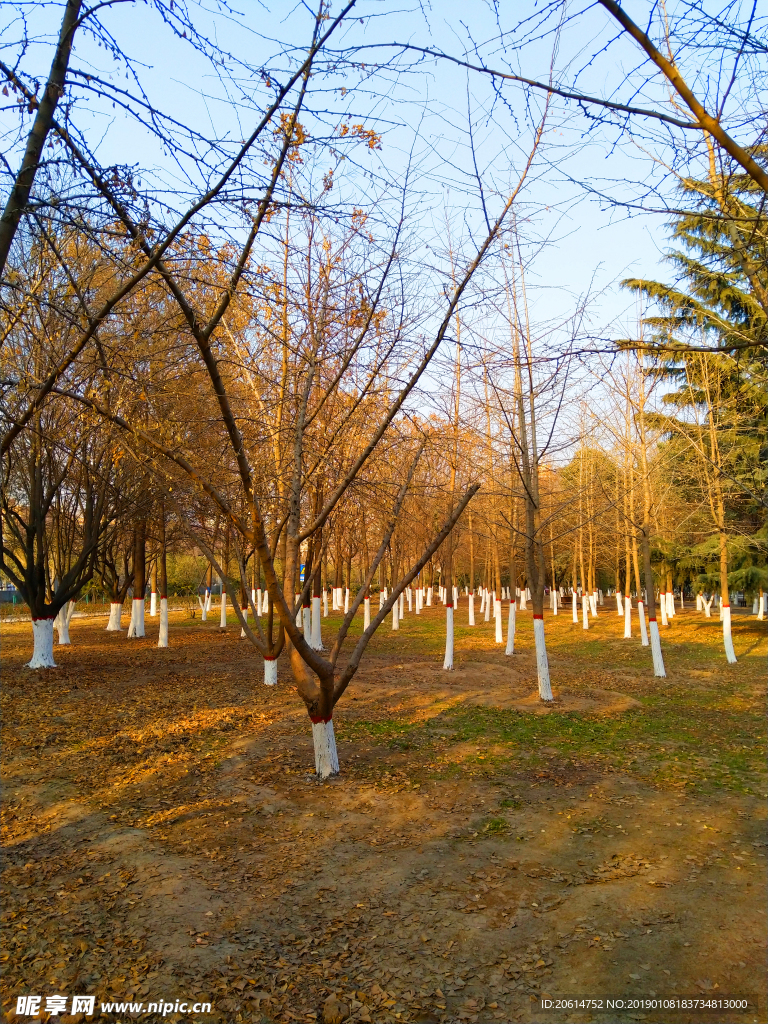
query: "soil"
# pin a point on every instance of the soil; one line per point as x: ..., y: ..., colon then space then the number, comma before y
x: 165, y: 837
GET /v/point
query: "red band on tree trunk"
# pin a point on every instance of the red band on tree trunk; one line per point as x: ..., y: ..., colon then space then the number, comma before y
x: 44, y: 618
x: 449, y: 605
x: 538, y: 617
x: 317, y: 721
x: 726, y: 606
x: 652, y: 619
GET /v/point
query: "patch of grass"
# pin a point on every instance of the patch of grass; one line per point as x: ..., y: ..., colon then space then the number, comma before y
x: 680, y: 739
x: 496, y: 827
x: 512, y: 803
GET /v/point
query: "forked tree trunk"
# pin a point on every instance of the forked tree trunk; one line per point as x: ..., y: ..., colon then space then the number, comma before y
x: 324, y: 740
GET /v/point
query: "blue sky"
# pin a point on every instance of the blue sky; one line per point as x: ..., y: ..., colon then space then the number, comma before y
x: 423, y: 115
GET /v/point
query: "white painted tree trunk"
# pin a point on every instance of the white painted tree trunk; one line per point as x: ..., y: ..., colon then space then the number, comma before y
x: 258, y: 602
x: 482, y: 600
x: 682, y: 600
x: 367, y: 613
x: 575, y: 604
x: 487, y: 612
x: 670, y: 605
x: 208, y: 597
x: 270, y: 671
x: 61, y: 624
x: 42, y: 651
x: 663, y: 608
x: 472, y: 609
x: 510, y: 649
x: 641, y: 617
x: 325, y: 604
x: 730, y: 654
x: 326, y: 758
x: 203, y: 602
x: 401, y: 613
x: 555, y: 602
x: 584, y: 611
x: 429, y: 597
x: 593, y: 606
x: 244, y: 610
x: 136, y: 628
x: 223, y: 615
x: 410, y: 599
x: 256, y: 605
x: 499, y: 624
x: 395, y: 615
x: 627, y: 616
x: 707, y: 606
x: 306, y: 623
x: 523, y: 601
x: 317, y: 625
x: 600, y: 598
x: 698, y: 602
x: 542, y: 662
x: 761, y: 607
x: 448, y: 660
x: 115, y: 611
x: 162, y: 640
x: 658, y: 658
x: 619, y: 606
x: 298, y: 613
x: 153, y: 604
x: 720, y: 605
x: 346, y: 600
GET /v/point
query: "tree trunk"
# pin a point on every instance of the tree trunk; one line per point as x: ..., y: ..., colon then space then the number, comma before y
x: 42, y: 634
x: 163, y: 581
x: 136, y: 628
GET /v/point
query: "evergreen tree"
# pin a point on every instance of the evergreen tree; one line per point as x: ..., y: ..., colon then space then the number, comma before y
x: 708, y: 341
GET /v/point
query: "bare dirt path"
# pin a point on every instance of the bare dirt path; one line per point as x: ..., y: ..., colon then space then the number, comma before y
x: 165, y: 839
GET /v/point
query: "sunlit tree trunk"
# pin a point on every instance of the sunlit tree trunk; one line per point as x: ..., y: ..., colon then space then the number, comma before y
x: 136, y: 628
x: 163, y: 579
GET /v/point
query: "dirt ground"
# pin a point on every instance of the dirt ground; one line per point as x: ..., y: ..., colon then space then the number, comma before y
x: 165, y: 837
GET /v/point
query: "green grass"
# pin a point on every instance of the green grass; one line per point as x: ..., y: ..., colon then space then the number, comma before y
x: 678, y: 739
